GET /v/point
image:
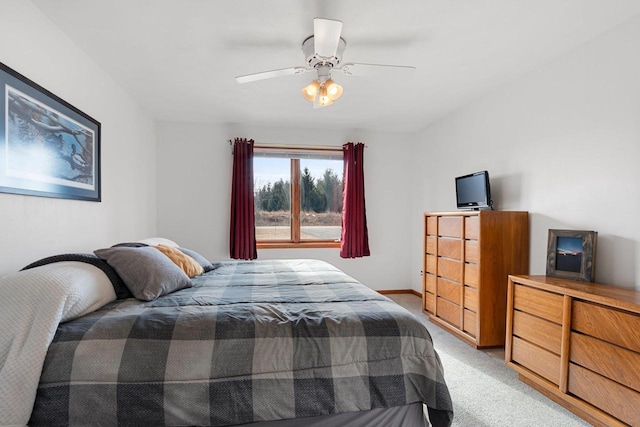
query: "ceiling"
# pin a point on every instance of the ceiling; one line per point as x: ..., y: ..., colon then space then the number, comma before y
x: 178, y: 58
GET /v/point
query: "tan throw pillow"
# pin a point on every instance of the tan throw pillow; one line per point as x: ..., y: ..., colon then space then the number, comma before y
x: 189, y: 265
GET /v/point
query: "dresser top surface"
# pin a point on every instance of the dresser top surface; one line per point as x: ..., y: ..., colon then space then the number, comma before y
x: 474, y: 213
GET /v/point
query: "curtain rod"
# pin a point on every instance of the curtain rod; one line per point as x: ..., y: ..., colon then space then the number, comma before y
x: 289, y: 147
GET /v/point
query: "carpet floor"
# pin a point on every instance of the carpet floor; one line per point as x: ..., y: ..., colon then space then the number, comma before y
x: 485, y: 392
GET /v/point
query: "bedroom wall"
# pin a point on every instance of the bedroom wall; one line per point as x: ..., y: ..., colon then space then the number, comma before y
x: 562, y: 143
x: 194, y: 193
x: 34, y: 227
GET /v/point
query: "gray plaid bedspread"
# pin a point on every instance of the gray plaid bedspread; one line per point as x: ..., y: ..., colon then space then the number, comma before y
x: 251, y: 341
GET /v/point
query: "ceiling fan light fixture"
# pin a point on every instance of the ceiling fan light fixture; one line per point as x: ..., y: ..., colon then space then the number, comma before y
x: 311, y: 91
x: 334, y: 90
x: 323, y: 52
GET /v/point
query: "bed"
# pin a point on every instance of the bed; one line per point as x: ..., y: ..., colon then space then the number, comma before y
x: 264, y: 343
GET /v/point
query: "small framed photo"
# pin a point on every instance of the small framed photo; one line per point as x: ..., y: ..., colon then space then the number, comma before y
x: 48, y: 147
x: 571, y: 254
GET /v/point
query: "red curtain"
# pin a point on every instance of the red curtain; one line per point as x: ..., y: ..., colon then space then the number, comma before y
x: 243, y: 226
x: 355, y: 237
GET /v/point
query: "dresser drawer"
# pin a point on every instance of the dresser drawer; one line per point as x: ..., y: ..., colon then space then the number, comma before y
x: 448, y: 311
x: 430, y: 302
x: 470, y: 322
x: 430, y: 283
x: 449, y: 290
x: 539, y: 303
x: 471, y: 298
x: 450, y: 269
x: 608, y: 324
x: 450, y: 226
x: 471, y: 274
x: 450, y: 248
x: 431, y: 264
x: 432, y: 244
x: 471, y: 227
x: 609, y: 396
x: 611, y: 361
x: 536, y: 359
x: 538, y: 331
x: 471, y: 253
x: 432, y: 225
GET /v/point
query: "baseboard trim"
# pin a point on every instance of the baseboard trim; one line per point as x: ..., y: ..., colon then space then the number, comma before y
x: 400, y: 291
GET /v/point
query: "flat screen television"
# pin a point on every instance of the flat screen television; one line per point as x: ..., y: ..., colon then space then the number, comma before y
x: 473, y: 191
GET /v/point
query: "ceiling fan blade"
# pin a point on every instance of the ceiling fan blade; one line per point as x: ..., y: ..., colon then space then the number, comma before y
x: 271, y: 74
x: 326, y: 36
x: 375, y: 70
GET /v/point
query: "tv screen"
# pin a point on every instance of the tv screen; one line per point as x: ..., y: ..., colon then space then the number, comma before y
x: 473, y: 191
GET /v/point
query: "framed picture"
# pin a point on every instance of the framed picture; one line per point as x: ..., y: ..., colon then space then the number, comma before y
x: 571, y: 254
x: 48, y: 147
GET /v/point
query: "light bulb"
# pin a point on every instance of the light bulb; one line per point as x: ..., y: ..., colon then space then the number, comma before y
x: 324, y: 99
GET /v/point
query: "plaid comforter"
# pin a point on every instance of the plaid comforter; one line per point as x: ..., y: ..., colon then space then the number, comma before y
x: 251, y: 341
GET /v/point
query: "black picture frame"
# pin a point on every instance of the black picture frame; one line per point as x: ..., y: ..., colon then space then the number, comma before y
x: 48, y: 147
x: 571, y: 254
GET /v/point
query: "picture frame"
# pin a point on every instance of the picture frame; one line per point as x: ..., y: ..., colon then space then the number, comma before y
x: 48, y: 147
x: 571, y: 254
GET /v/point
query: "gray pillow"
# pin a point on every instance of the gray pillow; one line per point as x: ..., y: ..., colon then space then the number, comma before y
x: 146, y: 271
x: 206, y: 265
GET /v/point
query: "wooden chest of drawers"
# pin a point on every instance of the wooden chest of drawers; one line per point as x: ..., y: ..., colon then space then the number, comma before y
x: 579, y: 344
x: 467, y: 258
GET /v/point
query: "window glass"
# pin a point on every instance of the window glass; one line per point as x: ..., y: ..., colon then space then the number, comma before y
x: 272, y: 198
x: 320, y: 199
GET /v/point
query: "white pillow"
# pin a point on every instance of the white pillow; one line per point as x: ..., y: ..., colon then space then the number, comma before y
x: 155, y: 241
x: 32, y: 304
x: 84, y: 287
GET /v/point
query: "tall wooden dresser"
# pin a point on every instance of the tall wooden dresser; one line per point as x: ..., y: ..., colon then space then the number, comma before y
x: 579, y: 344
x: 468, y: 257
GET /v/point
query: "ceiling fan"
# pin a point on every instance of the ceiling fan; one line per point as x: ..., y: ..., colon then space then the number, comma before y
x: 323, y: 54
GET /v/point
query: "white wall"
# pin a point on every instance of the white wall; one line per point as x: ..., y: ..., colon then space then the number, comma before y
x: 562, y: 143
x: 34, y: 227
x: 194, y: 193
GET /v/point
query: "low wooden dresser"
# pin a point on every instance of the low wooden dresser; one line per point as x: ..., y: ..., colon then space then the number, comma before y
x: 577, y: 343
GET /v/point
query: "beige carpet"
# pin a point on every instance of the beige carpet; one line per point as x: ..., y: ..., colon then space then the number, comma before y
x: 485, y: 392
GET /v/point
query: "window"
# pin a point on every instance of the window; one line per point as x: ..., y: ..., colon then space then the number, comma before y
x: 298, y: 197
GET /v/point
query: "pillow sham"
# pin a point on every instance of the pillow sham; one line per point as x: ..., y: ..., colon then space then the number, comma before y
x: 118, y: 285
x: 154, y: 241
x: 204, y: 263
x: 146, y: 271
x: 189, y: 265
x: 80, y: 287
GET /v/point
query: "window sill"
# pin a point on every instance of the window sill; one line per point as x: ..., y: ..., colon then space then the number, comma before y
x: 292, y: 245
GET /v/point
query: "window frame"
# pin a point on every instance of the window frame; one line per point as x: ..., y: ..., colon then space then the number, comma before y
x: 295, y: 175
